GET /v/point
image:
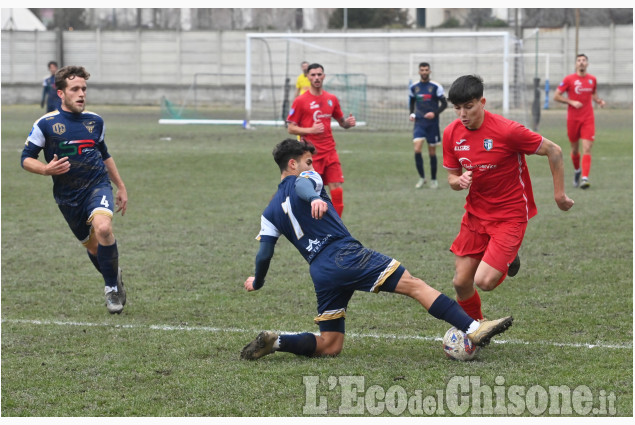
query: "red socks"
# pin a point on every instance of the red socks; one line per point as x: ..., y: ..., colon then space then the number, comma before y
x: 337, y: 197
x: 586, y: 166
x: 576, y: 161
x: 472, y: 306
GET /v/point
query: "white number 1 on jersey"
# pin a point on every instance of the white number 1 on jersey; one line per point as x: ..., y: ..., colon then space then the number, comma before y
x: 286, y: 207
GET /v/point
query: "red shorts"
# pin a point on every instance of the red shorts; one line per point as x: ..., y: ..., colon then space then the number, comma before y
x: 329, y: 168
x: 495, y: 242
x: 577, y: 130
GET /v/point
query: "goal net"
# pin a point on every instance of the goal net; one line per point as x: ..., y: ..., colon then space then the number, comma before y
x: 370, y: 73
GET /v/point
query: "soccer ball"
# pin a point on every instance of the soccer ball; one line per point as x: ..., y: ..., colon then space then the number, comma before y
x: 457, y: 346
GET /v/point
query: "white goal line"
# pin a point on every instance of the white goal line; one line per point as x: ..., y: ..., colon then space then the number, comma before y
x: 350, y: 334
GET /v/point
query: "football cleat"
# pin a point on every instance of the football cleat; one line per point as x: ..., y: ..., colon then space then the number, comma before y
x: 514, y: 267
x: 434, y: 184
x: 488, y: 329
x: 113, y: 302
x: 585, y: 183
x: 576, y: 178
x: 420, y: 183
x: 259, y: 347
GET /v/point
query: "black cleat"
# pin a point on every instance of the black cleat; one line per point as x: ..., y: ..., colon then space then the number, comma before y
x: 514, y: 267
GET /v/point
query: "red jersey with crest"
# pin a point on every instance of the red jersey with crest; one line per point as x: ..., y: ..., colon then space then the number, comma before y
x: 307, y: 109
x: 581, y: 89
x: 495, y: 153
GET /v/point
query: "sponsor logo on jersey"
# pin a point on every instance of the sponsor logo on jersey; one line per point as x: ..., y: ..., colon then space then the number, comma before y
x: 75, y: 147
x: 318, y: 115
x: 313, y: 105
x: 461, y: 141
x: 467, y: 164
x: 488, y: 144
x: 59, y: 128
x: 579, y: 89
x: 292, y: 111
x: 313, y: 243
x: 90, y: 126
x: 462, y: 148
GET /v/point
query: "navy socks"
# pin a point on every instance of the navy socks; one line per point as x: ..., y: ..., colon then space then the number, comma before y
x: 447, y: 309
x: 303, y: 344
x: 108, y: 261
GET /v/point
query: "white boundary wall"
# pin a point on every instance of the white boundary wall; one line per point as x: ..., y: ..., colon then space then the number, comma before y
x: 138, y: 67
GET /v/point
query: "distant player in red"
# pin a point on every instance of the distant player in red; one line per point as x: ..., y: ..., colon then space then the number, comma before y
x: 491, y: 149
x: 580, y: 89
x: 310, y: 118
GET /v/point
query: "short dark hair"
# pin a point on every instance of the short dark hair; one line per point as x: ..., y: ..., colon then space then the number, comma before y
x: 424, y: 64
x: 582, y: 54
x: 69, y: 72
x: 52, y: 63
x: 465, y: 89
x: 290, y: 149
x: 314, y: 66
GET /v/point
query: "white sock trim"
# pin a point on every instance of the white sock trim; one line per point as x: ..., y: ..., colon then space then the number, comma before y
x: 473, y: 327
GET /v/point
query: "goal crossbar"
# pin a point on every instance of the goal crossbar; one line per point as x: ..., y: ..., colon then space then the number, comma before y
x: 290, y: 36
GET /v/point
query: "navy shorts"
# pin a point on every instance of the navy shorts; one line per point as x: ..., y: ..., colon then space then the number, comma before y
x: 429, y: 132
x: 80, y: 217
x: 344, y: 267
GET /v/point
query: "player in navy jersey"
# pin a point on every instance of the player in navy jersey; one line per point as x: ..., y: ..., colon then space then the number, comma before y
x: 339, y: 265
x: 78, y: 160
x: 427, y: 101
x: 49, y: 91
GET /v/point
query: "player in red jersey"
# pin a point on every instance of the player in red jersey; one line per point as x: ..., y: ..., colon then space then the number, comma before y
x: 310, y: 118
x: 500, y: 201
x: 580, y: 89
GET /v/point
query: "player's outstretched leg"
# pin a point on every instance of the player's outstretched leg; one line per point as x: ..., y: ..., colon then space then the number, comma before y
x: 489, y: 328
x: 303, y: 344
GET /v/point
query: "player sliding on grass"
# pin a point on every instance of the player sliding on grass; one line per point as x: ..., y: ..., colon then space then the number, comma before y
x: 339, y: 265
x: 500, y: 201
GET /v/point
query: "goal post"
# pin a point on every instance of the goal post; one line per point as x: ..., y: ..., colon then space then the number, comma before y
x: 385, y: 60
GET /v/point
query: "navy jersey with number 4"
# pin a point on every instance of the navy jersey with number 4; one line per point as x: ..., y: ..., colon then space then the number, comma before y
x: 80, y: 137
x: 289, y: 215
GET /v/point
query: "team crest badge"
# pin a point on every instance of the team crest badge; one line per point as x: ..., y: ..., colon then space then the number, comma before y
x: 488, y: 144
x: 90, y: 125
x: 59, y: 128
x: 330, y: 102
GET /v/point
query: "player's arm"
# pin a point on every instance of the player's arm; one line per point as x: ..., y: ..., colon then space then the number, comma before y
x: 559, y: 97
x: 263, y: 259
x: 596, y: 99
x: 296, y: 130
x: 122, y: 194
x: 44, y: 93
x: 29, y: 159
x: 554, y: 153
x: 443, y: 105
x: 347, y: 122
x: 458, y: 180
x: 306, y: 190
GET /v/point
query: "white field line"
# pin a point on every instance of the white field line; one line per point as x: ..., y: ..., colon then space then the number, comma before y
x: 352, y: 335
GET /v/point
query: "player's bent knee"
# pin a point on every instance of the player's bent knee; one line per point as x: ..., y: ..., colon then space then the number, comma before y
x: 486, y: 285
x: 329, y: 344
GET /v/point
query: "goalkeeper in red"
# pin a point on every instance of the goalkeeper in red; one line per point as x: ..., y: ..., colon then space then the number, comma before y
x: 580, y: 89
x: 310, y: 119
x: 484, y: 153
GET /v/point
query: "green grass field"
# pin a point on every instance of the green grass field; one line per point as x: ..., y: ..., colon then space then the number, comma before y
x: 187, y: 245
